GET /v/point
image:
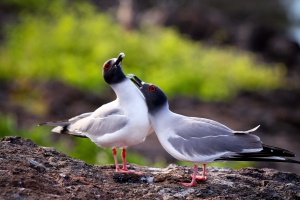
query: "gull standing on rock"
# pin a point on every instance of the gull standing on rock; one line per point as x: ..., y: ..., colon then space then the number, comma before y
x: 200, y: 140
x: 119, y: 124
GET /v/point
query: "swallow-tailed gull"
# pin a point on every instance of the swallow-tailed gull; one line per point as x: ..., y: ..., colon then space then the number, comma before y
x: 200, y: 140
x: 121, y: 123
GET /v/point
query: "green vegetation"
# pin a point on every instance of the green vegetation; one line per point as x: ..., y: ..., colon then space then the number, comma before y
x: 70, y: 43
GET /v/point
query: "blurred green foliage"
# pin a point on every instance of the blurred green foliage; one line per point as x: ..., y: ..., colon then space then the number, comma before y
x: 59, y: 40
x: 71, y: 44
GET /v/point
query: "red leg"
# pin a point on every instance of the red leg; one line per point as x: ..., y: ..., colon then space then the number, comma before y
x: 116, y: 160
x: 125, y: 170
x: 124, y: 160
x: 202, y: 177
x: 193, y: 183
x: 114, y: 151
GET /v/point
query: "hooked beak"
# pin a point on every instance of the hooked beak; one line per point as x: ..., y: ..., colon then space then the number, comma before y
x: 136, y: 80
x: 120, y: 58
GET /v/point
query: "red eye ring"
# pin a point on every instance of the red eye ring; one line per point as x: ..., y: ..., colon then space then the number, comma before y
x: 152, y: 88
x: 106, y: 66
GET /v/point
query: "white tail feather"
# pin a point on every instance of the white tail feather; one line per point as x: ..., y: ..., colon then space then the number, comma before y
x: 249, y: 131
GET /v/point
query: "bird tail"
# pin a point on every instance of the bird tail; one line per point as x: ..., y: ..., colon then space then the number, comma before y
x: 61, y: 127
x: 267, y: 154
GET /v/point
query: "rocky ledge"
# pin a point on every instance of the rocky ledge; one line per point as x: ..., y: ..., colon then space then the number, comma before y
x: 28, y: 171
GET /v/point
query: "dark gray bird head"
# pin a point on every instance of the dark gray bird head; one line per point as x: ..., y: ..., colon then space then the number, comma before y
x: 155, y: 98
x: 112, y: 70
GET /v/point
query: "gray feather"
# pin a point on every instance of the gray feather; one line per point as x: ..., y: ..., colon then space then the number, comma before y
x: 198, y: 136
x: 58, y: 123
x: 105, y: 111
x: 217, y: 144
x: 84, y: 115
x: 104, y: 120
x: 190, y: 127
x: 95, y: 127
x: 66, y: 122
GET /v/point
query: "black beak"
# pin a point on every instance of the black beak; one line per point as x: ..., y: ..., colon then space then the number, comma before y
x: 135, y: 80
x: 120, y: 58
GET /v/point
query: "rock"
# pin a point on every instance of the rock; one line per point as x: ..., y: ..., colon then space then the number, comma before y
x: 28, y: 171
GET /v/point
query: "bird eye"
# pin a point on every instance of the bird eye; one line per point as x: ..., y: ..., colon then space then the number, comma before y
x: 152, y: 88
x: 106, y: 66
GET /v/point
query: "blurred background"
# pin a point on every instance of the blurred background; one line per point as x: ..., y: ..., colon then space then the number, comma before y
x: 236, y: 62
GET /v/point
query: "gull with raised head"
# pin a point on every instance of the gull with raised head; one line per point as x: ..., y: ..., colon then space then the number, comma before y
x: 119, y: 124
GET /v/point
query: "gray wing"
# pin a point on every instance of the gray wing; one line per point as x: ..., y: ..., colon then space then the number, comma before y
x: 206, y: 137
x: 92, y: 123
x: 66, y: 122
x: 76, y: 118
x: 107, y: 119
x: 189, y: 127
x: 96, y: 126
x: 111, y: 108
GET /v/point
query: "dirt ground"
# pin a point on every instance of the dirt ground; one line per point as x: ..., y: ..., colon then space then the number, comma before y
x: 28, y: 171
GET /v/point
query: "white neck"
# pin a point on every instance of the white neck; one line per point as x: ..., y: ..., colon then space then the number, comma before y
x: 161, y: 119
x: 128, y: 95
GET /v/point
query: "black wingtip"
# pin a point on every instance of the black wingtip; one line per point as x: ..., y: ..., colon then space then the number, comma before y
x: 276, y: 151
x: 65, y: 131
x: 292, y: 161
x: 259, y: 159
x: 267, y: 154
